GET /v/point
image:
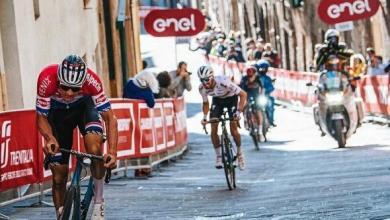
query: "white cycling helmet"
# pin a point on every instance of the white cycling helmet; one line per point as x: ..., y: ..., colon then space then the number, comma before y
x: 72, y: 72
x: 205, y: 72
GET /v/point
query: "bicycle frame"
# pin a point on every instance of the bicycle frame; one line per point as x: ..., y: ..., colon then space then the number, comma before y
x: 228, y: 154
x: 80, y: 209
x: 73, y: 193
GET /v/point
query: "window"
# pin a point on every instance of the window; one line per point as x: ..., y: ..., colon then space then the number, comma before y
x: 36, y: 9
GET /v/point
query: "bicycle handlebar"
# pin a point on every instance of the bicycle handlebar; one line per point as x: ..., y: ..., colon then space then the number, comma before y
x: 219, y: 120
x: 78, y: 154
x: 92, y: 157
x: 82, y: 155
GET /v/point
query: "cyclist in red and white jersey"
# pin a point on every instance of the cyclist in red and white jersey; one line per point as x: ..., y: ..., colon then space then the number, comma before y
x: 225, y: 95
x: 70, y: 95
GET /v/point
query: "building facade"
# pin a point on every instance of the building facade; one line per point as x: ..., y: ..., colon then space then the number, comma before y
x: 295, y: 31
x: 36, y: 33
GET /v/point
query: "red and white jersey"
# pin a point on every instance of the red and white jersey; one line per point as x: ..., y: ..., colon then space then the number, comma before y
x: 224, y: 88
x: 48, y: 96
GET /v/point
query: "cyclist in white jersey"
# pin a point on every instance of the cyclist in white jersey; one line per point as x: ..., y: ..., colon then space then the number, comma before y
x: 225, y: 95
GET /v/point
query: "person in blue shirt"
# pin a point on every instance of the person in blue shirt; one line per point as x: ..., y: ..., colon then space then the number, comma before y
x: 142, y: 86
x: 262, y: 67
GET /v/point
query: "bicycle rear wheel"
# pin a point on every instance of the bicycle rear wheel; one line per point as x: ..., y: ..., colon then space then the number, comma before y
x: 228, y: 162
x: 68, y: 205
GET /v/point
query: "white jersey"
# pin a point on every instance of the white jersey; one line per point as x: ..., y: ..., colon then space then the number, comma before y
x: 224, y: 88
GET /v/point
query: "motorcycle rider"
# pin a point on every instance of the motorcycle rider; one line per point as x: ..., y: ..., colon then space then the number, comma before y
x: 332, y: 46
x: 262, y: 68
x: 252, y: 85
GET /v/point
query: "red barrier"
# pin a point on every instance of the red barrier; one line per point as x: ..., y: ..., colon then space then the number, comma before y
x: 124, y: 112
x: 291, y: 86
x: 141, y: 132
x: 19, y: 154
x: 375, y: 93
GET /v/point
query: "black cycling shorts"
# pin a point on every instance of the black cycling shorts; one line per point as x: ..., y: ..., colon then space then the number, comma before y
x: 63, y: 121
x: 218, y: 104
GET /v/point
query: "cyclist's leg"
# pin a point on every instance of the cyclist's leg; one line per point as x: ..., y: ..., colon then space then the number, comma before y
x: 62, y: 124
x: 231, y: 105
x: 215, y: 113
x: 91, y: 127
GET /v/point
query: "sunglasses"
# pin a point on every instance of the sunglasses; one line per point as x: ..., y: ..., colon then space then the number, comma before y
x: 205, y: 80
x: 66, y: 88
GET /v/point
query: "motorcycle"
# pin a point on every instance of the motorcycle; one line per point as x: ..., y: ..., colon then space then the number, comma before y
x: 336, y: 113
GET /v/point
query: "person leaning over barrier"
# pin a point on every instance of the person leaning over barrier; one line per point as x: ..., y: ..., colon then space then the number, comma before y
x: 180, y: 79
x: 71, y: 95
x: 142, y: 86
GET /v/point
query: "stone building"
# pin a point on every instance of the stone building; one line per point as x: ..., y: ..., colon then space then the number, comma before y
x: 295, y: 31
x: 40, y: 32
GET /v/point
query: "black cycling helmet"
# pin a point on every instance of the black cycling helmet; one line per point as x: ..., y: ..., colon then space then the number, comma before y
x: 72, y: 72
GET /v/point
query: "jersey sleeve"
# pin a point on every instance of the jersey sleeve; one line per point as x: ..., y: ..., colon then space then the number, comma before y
x: 46, y: 87
x: 235, y: 89
x: 95, y: 87
x: 203, y: 93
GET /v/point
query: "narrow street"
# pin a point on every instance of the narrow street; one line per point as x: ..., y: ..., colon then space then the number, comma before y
x: 296, y: 175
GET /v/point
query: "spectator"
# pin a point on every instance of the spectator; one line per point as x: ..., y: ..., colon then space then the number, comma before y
x: 220, y: 47
x: 370, y: 56
x: 180, y: 79
x: 357, y: 65
x: 237, y: 39
x: 387, y: 67
x: 213, y: 50
x: 142, y: 86
x: 258, y: 51
x: 144, y: 64
x: 233, y: 54
x: 357, y: 69
x: 250, y: 47
x: 271, y: 55
x: 164, y: 81
x: 375, y: 66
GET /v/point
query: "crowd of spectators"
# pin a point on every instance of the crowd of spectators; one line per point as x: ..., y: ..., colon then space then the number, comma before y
x: 375, y: 64
x: 216, y: 43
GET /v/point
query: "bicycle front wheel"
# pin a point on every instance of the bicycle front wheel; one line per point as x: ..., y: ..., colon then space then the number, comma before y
x: 68, y: 205
x: 228, y: 162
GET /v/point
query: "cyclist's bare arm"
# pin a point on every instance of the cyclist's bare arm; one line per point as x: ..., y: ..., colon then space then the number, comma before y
x: 112, y: 136
x: 47, y: 133
x: 242, y: 102
x: 206, y: 108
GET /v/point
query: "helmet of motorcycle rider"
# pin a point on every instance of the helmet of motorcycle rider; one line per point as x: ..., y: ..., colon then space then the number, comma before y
x: 262, y: 66
x: 72, y: 72
x: 332, y: 37
x: 250, y: 71
x: 332, y: 63
x: 205, y: 73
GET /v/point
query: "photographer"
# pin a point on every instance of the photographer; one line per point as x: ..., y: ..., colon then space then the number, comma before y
x: 180, y: 79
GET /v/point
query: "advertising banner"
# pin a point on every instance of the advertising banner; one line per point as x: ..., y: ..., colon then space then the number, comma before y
x: 19, y: 154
